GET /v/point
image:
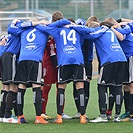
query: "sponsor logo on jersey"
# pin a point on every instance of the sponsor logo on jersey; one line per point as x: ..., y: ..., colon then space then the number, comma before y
x: 70, y: 49
x: 30, y: 46
x: 115, y: 47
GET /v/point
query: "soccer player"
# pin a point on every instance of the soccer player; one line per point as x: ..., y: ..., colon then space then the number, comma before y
x: 87, y: 49
x: 70, y: 63
x: 3, y: 90
x: 126, y: 42
x: 9, y: 63
x: 113, y: 61
x: 29, y: 70
x: 49, y: 75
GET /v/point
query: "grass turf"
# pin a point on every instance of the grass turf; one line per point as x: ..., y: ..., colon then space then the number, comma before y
x: 68, y: 126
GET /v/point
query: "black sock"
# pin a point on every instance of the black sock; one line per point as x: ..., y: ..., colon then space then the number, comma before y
x: 81, y: 97
x: 20, y: 101
x: 87, y: 92
x: 37, y: 100
x: 3, y: 103
x: 11, y: 99
x: 75, y: 97
x: 15, y: 108
x: 111, y: 99
x: 118, y: 99
x: 102, y: 94
x: 60, y: 100
x: 131, y: 104
x: 126, y: 101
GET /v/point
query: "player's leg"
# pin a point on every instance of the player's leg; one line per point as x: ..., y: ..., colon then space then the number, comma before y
x: 45, y: 91
x: 125, y: 115
x: 4, y: 93
x: 81, y: 98
x: 118, y: 102
x: 102, y: 100
x: 131, y: 102
x: 76, y: 101
x: 10, y: 101
x: 111, y: 100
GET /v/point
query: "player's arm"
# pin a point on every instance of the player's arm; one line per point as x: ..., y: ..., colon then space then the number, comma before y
x: 124, y: 20
x: 91, y: 33
x: 14, y: 27
x: 131, y: 26
x: 60, y: 23
x: 117, y: 32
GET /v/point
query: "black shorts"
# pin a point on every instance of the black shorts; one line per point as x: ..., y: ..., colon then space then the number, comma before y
x: 9, y: 65
x: 68, y: 73
x: 113, y: 74
x: 29, y: 72
x: 88, y: 69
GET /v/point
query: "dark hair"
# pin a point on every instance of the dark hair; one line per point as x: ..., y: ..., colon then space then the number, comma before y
x: 108, y: 24
x: 57, y: 16
x: 71, y: 19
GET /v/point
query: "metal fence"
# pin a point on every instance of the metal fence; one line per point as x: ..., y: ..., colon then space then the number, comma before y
x: 23, y: 9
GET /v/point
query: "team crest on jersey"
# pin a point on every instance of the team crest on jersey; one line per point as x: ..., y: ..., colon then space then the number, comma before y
x: 70, y: 49
x: 30, y: 46
x: 115, y: 47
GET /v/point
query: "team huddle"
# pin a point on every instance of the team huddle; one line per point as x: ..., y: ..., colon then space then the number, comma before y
x: 60, y: 52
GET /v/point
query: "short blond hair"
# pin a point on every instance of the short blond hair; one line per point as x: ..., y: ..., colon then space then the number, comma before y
x: 90, y: 19
x: 57, y: 16
x: 93, y: 24
x: 111, y: 21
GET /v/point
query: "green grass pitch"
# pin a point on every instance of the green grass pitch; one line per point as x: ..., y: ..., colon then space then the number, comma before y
x: 68, y: 126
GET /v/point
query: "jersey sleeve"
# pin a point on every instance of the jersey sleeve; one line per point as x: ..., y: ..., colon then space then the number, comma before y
x: 14, y: 30
x: 91, y: 33
x: 124, y: 30
x: 60, y: 23
x: 131, y: 26
x: 48, y: 29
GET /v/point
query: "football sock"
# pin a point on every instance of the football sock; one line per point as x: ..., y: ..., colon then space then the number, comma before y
x: 37, y: 99
x: 20, y: 101
x: 102, y: 93
x: 111, y: 99
x: 75, y: 97
x: 126, y: 101
x: 81, y: 97
x: 118, y: 99
x: 87, y: 92
x: 3, y: 102
x: 10, y: 100
x: 131, y: 104
x: 60, y: 100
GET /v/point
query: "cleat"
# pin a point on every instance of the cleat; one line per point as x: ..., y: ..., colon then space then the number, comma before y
x: 131, y: 118
x: 83, y: 119
x: 58, y: 119
x: 64, y: 116
x: 99, y: 119
x: 1, y: 119
x: 109, y: 115
x: 22, y: 120
x: 40, y: 120
x: 10, y: 120
x: 77, y: 116
x: 127, y: 119
x: 126, y: 114
x: 46, y: 117
x: 116, y: 119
